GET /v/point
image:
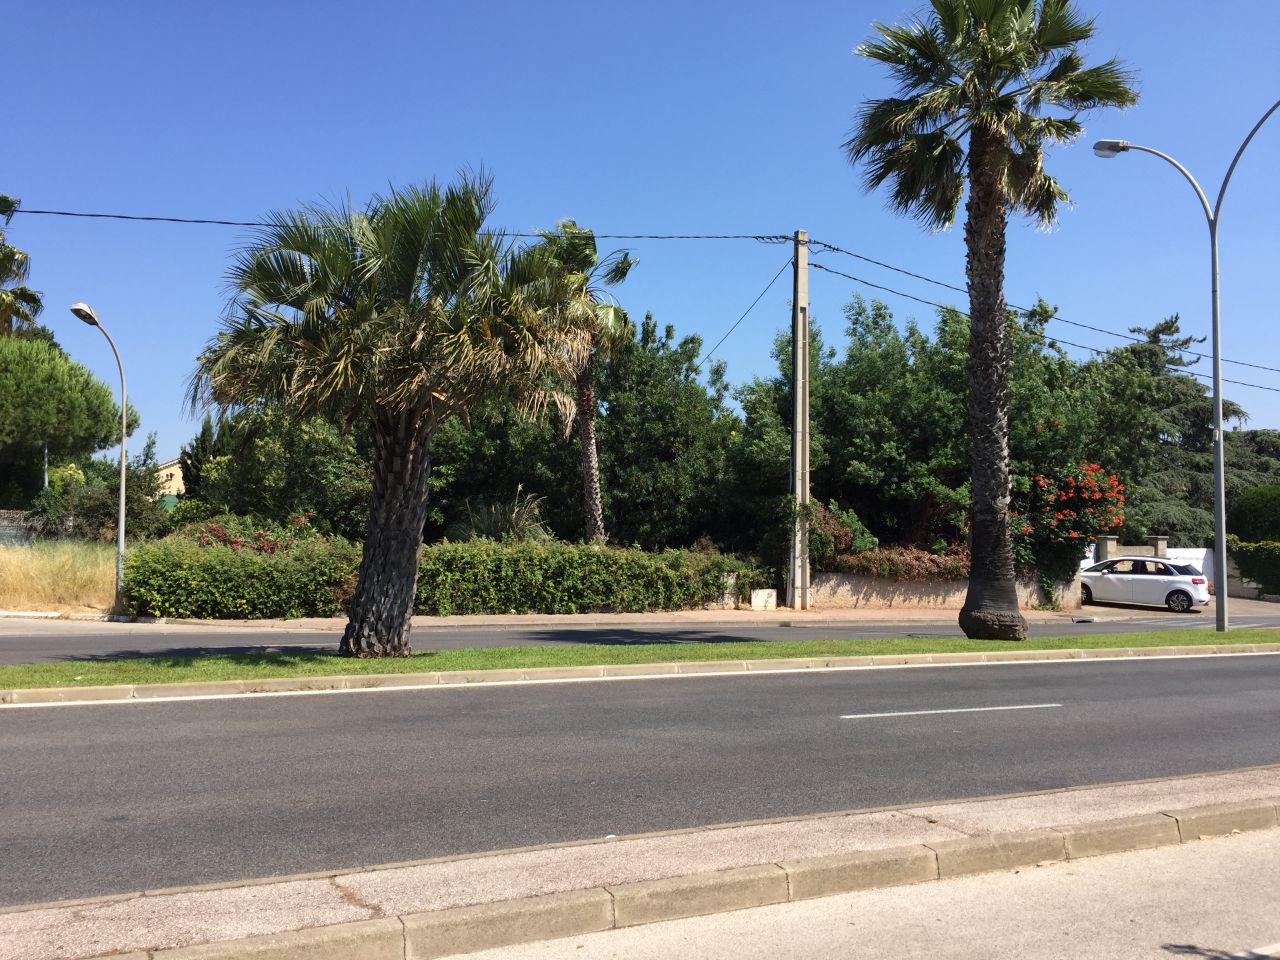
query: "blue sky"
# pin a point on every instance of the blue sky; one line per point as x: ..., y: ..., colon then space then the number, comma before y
x: 661, y: 117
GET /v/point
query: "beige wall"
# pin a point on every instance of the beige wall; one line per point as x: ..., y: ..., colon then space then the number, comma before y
x: 843, y: 591
x: 170, y: 474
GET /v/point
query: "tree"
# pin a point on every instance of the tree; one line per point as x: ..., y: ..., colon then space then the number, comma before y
x: 665, y: 435
x: 19, y: 304
x: 263, y: 464
x: 576, y: 301
x: 212, y: 441
x: 394, y: 318
x: 48, y: 398
x: 1170, y: 469
x: 83, y: 498
x: 984, y: 70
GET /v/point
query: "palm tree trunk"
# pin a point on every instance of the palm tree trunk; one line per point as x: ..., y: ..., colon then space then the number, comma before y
x: 381, y: 610
x: 592, y: 505
x: 990, y: 609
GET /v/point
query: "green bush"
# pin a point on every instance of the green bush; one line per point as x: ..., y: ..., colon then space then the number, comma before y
x: 195, y: 575
x: 1259, y: 562
x: 487, y: 577
x: 177, y: 577
x: 1255, y: 515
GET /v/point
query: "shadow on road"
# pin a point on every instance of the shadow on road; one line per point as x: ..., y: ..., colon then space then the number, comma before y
x: 1191, y: 950
x: 1142, y: 608
x: 423, y: 643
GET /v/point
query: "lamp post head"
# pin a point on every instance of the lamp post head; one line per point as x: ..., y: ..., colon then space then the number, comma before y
x: 1110, y: 148
x: 85, y: 313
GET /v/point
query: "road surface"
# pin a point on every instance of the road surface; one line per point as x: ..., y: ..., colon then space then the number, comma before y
x: 117, y: 797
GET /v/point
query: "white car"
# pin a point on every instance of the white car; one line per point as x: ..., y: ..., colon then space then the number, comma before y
x: 1155, y: 580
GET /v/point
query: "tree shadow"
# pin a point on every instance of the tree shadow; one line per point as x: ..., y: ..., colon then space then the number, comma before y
x: 186, y: 656
x: 1142, y: 607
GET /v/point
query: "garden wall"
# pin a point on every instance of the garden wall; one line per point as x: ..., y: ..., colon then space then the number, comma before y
x: 845, y: 591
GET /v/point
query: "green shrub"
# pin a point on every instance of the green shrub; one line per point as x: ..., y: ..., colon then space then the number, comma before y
x: 1255, y: 515
x: 201, y: 576
x: 177, y: 577
x: 905, y: 563
x: 1259, y: 562
x: 487, y: 577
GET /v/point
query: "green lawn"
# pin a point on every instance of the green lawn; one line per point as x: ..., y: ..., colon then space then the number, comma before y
x: 258, y: 666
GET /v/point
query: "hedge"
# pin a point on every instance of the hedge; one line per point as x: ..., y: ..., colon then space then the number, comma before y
x: 179, y: 577
x: 487, y: 577
x: 1259, y: 562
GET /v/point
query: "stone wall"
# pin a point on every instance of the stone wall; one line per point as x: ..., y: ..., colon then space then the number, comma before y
x: 1109, y: 547
x: 844, y: 591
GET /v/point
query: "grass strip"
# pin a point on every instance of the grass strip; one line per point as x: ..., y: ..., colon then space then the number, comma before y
x: 254, y: 666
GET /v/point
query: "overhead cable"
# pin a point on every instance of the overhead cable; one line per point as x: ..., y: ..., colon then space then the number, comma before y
x: 1095, y: 350
x: 759, y: 237
x: 1074, y: 323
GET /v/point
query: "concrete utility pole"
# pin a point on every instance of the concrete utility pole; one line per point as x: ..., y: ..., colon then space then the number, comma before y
x: 798, y: 572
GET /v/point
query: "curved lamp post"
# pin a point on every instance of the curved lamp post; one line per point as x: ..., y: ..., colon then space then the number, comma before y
x: 85, y: 313
x: 1113, y: 148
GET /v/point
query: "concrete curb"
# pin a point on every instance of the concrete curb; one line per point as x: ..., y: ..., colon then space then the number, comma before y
x: 461, y: 930
x: 380, y: 681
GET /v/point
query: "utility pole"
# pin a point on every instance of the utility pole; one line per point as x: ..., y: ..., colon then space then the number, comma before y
x: 798, y: 571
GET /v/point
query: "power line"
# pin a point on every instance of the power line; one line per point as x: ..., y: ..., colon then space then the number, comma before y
x: 1074, y: 323
x: 767, y: 288
x: 759, y: 237
x: 1081, y: 346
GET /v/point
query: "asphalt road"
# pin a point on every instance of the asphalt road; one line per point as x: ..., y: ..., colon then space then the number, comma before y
x: 119, y: 797
x: 31, y: 641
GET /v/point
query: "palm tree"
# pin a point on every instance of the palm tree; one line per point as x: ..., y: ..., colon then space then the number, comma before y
x: 578, y: 303
x: 975, y: 78
x: 19, y: 305
x: 392, y: 318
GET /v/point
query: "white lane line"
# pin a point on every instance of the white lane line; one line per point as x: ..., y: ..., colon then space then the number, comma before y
x: 921, y: 713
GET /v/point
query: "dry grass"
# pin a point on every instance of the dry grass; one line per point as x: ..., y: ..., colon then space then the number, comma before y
x: 64, y: 577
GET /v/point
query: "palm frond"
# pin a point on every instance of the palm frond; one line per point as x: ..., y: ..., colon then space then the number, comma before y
x: 993, y: 65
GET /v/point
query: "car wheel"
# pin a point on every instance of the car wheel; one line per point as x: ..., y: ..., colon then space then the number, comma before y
x: 1179, y: 601
x: 1086, y: 595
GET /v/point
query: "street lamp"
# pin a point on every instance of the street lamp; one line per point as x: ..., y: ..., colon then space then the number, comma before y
x: 85, y: 313
x: 1113, y: 148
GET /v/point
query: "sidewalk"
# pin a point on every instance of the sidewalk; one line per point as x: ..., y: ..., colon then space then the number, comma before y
x: 453, y: 906
x: 1215, y: 901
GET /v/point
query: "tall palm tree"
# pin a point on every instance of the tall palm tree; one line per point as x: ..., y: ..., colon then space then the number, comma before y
x: 19, y: 304
x: 578, y: 303
x: 975, y: 78
x: 393, y: 318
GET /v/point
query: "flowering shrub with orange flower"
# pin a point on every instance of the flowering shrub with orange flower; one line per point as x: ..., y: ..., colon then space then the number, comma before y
x: 1058, y: 517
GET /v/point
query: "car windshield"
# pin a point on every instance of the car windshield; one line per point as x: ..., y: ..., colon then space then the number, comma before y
x: 1186, y: 569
